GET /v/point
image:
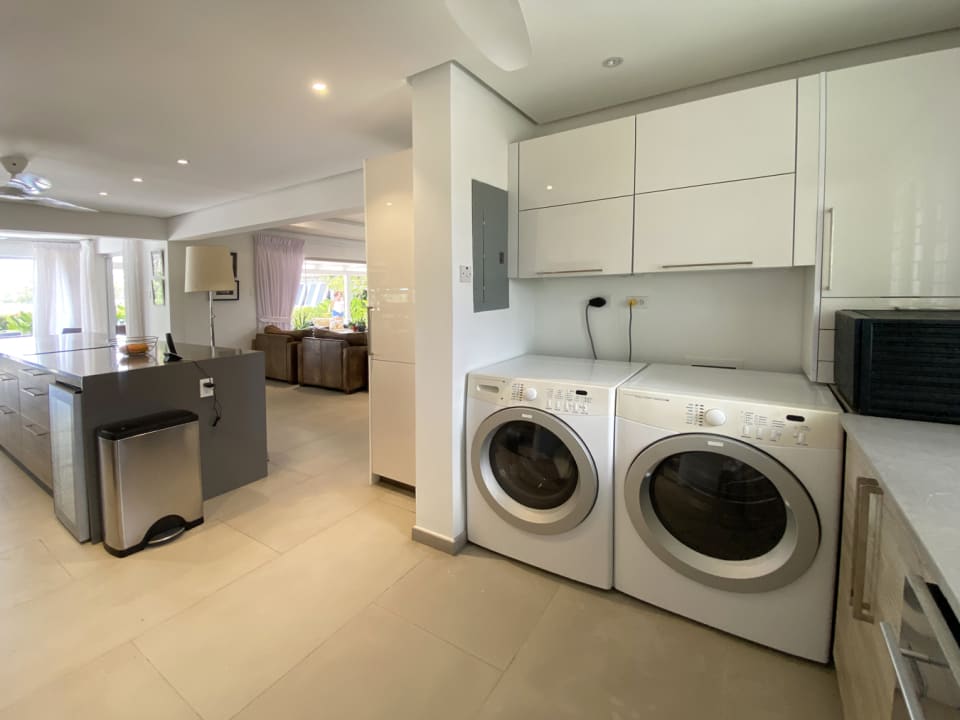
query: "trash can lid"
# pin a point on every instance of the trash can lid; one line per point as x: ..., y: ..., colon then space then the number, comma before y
x: 146, y: 424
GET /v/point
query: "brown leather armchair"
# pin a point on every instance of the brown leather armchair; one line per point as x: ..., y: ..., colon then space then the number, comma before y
x: 281, y: 355
x: 339, y: 363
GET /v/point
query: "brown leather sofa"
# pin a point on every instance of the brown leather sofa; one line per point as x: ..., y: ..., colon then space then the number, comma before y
x: 280, y: 348
x: 334, y: 360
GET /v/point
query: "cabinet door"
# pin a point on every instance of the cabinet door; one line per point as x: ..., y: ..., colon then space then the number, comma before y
x: 736, y: 136
x: 589, y: 163
x: 730, y: 225
x: 592, y: 238
x: 893, y: 179
x: 393, y: 452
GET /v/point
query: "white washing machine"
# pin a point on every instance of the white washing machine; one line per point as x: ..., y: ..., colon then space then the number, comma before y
x: 540, y: 462
x: 727, y: 510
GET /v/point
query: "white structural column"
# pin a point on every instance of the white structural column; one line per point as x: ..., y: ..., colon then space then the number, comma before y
x: 461, y: 132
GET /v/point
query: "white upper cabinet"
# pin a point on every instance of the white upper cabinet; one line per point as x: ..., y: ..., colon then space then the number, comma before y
x: 592, y: 238
x: 891, y: 224
x: 740, y: 135
x: 743, y: 224
x: 590, y: 163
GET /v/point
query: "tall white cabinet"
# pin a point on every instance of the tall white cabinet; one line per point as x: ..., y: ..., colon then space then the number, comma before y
x: 890, y: 217
x: 388, y: 209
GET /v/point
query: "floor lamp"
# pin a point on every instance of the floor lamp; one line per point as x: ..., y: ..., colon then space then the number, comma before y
x: 209, y: 269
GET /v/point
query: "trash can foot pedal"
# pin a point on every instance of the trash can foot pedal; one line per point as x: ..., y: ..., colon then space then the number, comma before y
x: 167, y: 535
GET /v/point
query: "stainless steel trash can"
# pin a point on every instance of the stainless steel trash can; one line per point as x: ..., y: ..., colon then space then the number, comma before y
x: 149, y: 480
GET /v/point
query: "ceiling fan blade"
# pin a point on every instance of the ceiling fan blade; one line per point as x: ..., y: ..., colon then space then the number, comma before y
x: 497, y: 28
x: 30, y: 183
x: 59, y: 204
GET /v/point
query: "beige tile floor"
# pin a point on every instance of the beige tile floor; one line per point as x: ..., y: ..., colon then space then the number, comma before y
x: 302, y: 596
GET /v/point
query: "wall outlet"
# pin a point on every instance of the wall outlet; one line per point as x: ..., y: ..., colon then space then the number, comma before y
x: 206, y: 391
x: 466, y: 274
x: 639, y: 301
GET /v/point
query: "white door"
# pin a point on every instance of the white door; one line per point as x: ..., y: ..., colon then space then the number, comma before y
x: 729, y: 225
x: 393, y: 453
x: 593, y: 238
x: 740, y: 135
x: 388, y: 211
x: 892, y: 217
x: 588, y: 163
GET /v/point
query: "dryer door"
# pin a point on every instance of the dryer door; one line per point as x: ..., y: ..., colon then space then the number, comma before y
x: 722, y: 512
x: 534, y: 470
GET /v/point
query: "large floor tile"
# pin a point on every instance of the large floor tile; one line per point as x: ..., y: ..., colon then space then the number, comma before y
x: 379, y: 666
x: 59, y: 631
x: 251, y: 496
x: 117, y: 686
x: 479, y: 601
x: 227, y: 649
x: 27, y: 572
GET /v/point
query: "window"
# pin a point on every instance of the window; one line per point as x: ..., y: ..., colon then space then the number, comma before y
x: 16, y: 296
x: 331, y: 292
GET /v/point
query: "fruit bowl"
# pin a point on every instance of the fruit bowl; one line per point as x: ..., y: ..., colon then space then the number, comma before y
x: 137, y: 345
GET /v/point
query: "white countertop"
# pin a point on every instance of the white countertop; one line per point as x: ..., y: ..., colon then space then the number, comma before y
x: 918, y: 465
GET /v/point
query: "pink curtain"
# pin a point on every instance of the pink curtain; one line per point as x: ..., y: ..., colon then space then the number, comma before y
x: 278, y: 264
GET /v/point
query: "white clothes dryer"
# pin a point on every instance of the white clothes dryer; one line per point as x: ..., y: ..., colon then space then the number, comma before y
x: 539, y: 436
x: 728, y: 492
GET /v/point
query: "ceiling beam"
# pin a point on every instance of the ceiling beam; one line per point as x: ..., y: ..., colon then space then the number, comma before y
x: 32, y: 218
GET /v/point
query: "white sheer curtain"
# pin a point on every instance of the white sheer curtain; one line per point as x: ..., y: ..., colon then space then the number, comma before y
x: 133, y: 285
x: 93, y: 296
x: 56, y: 294
x: 278, y: 265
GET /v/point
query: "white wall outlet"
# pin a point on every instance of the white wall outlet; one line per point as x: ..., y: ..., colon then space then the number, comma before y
x: 466, y: 274
x: 206, y: 391
x: 639, y: 301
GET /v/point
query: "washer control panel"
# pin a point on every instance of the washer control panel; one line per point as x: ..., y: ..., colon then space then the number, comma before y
x: 551, y: 396
x: 755, y: 423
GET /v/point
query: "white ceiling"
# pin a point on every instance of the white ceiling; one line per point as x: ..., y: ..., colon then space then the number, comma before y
x: 99, y: 91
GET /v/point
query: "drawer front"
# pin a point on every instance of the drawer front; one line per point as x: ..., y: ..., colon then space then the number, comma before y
x: 10, y: 430
x: 9, y: 389
x: 35, y: 450
x: 35, y: 402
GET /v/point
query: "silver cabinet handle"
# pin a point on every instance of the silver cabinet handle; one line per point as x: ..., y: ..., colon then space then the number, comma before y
x: 867, y: 488
x: 827, y: 279
x: 712, y: 264
x: 904, y: 677
x: 4, y: 377
x: 33, y: 430
x: 4, y: 410
x: 33, y: 392
x: 34, y: 372
x: 567, y: 272
x: 370, y: 311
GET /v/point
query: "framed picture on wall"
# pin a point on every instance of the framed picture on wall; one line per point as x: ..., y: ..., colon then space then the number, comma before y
x: 230, y: 294
x: 158, y: 281
x: 156, y: 263
x: 157, y: 288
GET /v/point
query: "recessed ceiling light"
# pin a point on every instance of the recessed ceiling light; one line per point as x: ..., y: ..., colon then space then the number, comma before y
x: 612, y: 61
x: 183, y: 161
x: 319, y: 87
x: 389, y: 204
x: 549, y: 187
x: 104, y: 194
x: 137, y: 179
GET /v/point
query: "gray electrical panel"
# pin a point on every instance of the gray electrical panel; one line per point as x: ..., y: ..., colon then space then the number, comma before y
x: 491, y: 290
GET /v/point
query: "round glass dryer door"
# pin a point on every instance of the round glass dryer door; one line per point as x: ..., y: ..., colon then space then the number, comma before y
x: 722, y: 512
x: 534, y: 470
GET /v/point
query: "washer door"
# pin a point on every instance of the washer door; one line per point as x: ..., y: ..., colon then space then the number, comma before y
x: 722, y: 512
x: 534, y: 471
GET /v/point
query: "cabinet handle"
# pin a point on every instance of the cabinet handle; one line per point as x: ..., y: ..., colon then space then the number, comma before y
x: 713, y: 264
x: 370, y: 311
x: 4, y: 410
x: 827, y: 280
x: 566, y: 272
x: 4, y: 377
x: 32, y: 372
x: 867, y: 488
x: 42, y: 432
x: 908, y: 689
x: 33, y: 392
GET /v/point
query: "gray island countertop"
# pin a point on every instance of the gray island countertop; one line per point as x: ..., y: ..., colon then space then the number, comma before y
x: 918, y: 465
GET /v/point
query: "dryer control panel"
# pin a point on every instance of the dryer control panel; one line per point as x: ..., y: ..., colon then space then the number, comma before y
x: 551, y: 396
x: 751, y: 422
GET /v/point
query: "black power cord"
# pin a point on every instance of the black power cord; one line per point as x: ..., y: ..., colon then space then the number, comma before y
x: 596, y: 302
x: 217, y: 408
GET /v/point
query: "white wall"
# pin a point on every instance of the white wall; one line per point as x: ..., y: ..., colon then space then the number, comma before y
x: 156, y: 318
x: 461, y: 132
x: 236, y: 321
x: 743, y: 318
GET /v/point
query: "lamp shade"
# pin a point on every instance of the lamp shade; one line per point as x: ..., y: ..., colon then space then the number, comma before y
x: 209, y: 268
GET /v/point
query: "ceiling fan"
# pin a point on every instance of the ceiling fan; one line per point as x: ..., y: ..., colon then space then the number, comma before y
x: 29, y: 188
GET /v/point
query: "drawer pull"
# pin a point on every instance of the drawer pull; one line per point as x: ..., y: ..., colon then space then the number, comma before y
x: 713, y: 264
x: 34, y: 372
x: 36, y: 430
x: 5, y: 377
x: 867, y: 488
x: 567, y: 272
x: 827, y: 280
x: 34, y: 392
x: 4, y: 410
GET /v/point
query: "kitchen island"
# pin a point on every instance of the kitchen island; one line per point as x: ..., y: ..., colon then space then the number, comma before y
x: 102, y: 386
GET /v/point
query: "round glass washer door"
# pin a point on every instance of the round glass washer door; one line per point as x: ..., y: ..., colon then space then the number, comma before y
x: 533, y: 470
x: 722, y: 512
